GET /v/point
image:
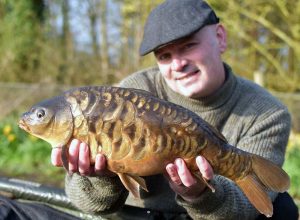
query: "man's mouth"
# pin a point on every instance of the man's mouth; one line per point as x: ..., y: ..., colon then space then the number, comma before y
x: 187, y: 75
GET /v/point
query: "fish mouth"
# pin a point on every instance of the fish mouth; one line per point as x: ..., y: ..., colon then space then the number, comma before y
x: 23, y: 125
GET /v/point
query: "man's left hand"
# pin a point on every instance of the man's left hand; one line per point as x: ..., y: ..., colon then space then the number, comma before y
x: 183, y: 182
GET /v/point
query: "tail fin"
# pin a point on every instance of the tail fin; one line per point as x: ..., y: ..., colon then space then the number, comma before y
x: 271, y: 175
x: 256, y: 194
x: 266, y: 176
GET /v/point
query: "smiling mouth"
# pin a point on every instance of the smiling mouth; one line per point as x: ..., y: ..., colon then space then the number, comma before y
x: 187, y: 75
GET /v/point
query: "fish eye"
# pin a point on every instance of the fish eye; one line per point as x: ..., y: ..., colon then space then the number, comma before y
x: 40, y: 113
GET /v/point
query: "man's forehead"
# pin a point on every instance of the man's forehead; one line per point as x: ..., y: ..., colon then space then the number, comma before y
x: 177, y: 42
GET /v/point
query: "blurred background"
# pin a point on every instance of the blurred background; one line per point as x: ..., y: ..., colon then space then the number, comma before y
x: 47, y: 46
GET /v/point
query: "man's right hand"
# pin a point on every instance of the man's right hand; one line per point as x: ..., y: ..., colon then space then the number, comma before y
x: 79, y: 160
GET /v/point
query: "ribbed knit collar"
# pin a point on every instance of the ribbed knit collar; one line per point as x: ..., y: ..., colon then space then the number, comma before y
x: 214, y: 101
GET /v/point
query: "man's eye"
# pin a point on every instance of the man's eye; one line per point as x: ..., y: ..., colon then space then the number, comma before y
x: 164, y: 57
x: 188, y: 46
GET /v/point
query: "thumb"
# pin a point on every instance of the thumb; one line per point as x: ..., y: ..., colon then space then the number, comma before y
x: 205, y: 168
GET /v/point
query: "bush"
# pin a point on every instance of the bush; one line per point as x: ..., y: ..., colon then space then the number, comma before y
x: 292, y: 164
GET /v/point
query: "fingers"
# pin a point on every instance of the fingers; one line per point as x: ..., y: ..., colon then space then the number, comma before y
x: 101, y: 167
x: 184, y: 174
x: 73, y: 155
x: 205, y: 168
x: 172, y: 171
x: 100, y: 163
x: 79, y: 160
x: 182, y: 182
x: 56, y: 157
x: 84, y: 159
x: 179, y: 173
x: 79, y: 157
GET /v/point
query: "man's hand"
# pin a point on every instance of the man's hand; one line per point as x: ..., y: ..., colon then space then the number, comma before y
x: 183, y: 182
x: 79, y: 160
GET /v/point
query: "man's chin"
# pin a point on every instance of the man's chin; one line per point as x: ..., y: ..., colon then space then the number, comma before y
x: 189, y: 93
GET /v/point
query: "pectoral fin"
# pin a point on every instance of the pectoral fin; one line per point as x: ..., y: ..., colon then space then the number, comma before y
x: 65, y: 157
x: 132, y: 183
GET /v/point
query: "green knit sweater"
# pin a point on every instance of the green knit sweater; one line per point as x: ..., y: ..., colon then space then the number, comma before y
x: 247, y: 115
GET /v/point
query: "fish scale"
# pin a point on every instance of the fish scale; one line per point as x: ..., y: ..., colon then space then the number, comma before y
x: 139, y: 134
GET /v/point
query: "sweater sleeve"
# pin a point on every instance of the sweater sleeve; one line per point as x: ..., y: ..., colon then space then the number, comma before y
x: 267, y: 136
x: 97, y: 195
x: 227, y: 202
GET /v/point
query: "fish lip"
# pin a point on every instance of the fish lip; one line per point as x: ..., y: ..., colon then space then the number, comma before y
x: 23, y: 125
x: 187, y: 74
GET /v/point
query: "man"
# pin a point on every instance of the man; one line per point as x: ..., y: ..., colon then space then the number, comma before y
x: 187, y: 41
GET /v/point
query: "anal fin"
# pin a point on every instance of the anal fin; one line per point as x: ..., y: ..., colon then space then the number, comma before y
x: 256, y: 194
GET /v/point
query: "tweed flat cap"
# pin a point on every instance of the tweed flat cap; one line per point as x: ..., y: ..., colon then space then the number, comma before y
x: 175, y: 19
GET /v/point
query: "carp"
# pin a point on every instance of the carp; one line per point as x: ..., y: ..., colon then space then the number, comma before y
x: 140, y: 134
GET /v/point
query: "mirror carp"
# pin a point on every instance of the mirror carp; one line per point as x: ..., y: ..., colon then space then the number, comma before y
x: 140, y: 134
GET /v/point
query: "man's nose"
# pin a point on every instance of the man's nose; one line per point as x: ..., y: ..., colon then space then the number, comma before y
x: 178, y: 63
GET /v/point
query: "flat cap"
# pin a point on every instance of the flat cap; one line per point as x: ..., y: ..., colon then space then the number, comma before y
x: 175, y: 19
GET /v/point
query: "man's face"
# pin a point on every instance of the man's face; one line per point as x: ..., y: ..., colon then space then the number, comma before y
x: 193, y: 66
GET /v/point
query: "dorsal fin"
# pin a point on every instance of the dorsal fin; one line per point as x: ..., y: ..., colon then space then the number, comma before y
x: 216, y: 132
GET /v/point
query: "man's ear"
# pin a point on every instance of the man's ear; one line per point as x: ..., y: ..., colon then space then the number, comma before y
x: 222, y: 37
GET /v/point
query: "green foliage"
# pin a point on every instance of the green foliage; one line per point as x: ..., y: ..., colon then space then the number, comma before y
x: 20, y: 37
x: 26, y: 156
x: 38, y: 40
x: 264, y: 37
x: 292, y: 167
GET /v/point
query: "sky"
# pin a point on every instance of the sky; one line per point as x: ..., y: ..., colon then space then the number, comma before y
x: 80, y: 26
